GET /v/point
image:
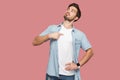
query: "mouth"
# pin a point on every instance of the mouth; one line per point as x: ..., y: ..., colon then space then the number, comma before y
x: 67, y: 14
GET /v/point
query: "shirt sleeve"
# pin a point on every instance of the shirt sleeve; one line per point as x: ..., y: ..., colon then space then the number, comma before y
x: 46, y: 31
x: 85, y: 44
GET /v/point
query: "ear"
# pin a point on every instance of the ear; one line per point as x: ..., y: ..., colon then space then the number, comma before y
x: 76, y: 18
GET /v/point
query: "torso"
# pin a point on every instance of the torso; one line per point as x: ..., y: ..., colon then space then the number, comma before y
x: 65, y: 50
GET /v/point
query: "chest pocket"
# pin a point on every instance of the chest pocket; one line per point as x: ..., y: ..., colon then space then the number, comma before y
x: 77, y: 43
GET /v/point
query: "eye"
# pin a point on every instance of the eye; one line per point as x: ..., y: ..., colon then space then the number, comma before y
x: 73, y: 10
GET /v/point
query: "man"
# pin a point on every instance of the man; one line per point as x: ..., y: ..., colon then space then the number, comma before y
x: 65, y: 44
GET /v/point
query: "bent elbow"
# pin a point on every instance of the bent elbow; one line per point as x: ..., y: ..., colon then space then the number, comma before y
x: 34, y: 43
x: 91, y: 52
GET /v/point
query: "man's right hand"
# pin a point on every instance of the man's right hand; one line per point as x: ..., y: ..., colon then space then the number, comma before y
x: 55, y: 35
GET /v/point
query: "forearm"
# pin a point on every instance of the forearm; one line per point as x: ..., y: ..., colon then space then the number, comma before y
x: 86, y: 57
x: 40, y: 39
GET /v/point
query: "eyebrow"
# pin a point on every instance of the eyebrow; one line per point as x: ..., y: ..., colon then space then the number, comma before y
x: 72, y: 8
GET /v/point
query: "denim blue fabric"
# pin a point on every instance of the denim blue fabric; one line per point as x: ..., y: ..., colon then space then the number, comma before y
x: 61, y: 77
x: 80, y: 41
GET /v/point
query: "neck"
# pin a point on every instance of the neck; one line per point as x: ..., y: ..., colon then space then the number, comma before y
x: 68, y: 24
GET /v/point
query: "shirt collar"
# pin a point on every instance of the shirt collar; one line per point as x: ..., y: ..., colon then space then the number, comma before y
x: 59, y: 25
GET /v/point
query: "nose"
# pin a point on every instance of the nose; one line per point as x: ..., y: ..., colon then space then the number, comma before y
x: 68, y: 10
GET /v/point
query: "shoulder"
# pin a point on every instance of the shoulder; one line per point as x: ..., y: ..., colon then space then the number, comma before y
x: 52, y: 26
x: 79, y: 32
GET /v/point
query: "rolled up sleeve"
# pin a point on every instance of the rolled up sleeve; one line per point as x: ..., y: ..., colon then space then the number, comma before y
x: 85, y: 44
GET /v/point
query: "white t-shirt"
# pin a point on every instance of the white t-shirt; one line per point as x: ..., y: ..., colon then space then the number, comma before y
x: 65, y: 50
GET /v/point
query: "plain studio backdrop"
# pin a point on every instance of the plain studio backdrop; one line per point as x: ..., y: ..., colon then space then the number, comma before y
x: 22, y: 20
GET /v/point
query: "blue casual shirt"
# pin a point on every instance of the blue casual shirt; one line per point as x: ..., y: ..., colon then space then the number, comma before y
x: 79, y: 41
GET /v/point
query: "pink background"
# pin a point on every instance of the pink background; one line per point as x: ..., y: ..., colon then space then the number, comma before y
x: 22, y: 20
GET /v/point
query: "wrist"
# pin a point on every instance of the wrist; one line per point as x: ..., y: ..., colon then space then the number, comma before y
x: 49, y: 36
x: 78, y: 65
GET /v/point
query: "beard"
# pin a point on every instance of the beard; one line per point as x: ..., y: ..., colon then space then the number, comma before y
x: 67, y: 18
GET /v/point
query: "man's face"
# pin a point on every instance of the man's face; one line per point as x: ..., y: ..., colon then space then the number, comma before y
x: 70, y: 14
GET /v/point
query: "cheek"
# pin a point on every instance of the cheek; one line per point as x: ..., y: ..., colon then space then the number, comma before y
x: 73, y: 15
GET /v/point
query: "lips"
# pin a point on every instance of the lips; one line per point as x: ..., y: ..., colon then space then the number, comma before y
x: 67, y: 14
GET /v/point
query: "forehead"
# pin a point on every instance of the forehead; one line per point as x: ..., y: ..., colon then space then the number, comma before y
x: 73, y: 8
